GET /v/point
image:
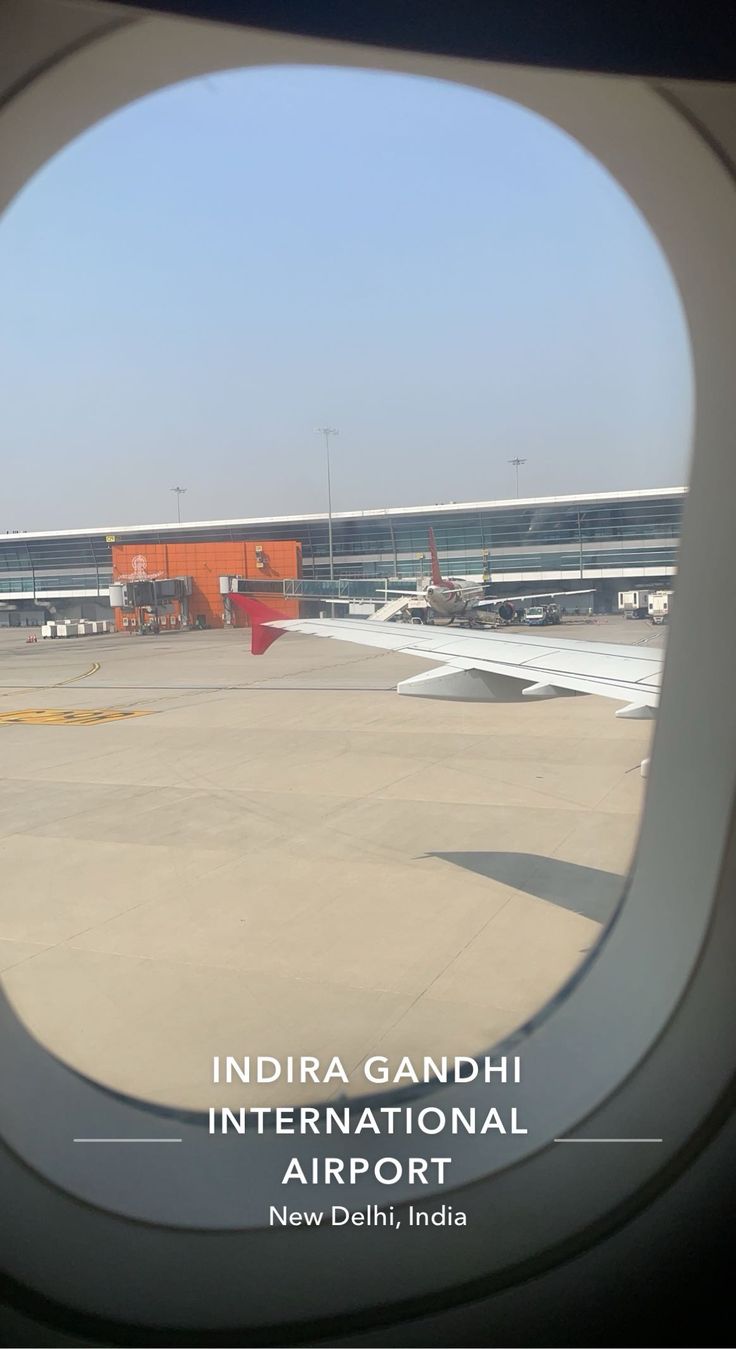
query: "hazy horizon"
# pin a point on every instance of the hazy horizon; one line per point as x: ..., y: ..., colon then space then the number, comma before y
x: 195, y: 284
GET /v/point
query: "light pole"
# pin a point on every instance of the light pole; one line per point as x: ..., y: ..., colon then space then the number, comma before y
x: 328, y: 431
x: 179, y: 494
x: 517, y: 464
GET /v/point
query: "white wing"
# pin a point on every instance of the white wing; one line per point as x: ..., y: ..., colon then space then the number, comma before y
x: 542, y: 595
x: 488, y: 666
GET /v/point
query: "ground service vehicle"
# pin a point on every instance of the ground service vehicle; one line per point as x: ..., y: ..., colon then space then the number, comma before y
x: 633, y: 603
x: 539, y: 615
x: 660, y: 604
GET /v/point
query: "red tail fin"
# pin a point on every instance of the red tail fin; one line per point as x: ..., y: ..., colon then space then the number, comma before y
x: 435, y: 573
x: 261, y: 637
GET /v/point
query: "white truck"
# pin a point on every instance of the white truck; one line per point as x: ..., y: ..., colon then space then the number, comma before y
x: 634, y: 603
x: 660, y: 606
x: 539, y: 615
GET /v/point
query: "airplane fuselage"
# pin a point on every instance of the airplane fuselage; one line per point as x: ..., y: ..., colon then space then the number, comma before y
x: 452, y: 598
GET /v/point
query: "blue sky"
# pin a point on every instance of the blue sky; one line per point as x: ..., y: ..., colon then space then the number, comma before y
x: 195, y: 284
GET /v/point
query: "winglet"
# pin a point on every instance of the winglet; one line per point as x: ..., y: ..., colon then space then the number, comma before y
x: 258, y: 614
x: 436, y: 574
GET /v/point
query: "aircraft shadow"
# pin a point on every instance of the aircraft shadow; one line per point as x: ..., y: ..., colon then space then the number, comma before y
x: 585, y: 890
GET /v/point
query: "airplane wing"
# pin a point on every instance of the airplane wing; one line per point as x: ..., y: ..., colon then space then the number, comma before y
x: 542, y: 595
x: 333, y: 599
x: 488, y: 666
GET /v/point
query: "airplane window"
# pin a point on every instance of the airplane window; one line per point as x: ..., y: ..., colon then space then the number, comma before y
x: 212, y: 852
x: 186, y: 825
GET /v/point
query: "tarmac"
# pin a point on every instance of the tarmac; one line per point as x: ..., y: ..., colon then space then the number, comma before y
x: 280, y: 856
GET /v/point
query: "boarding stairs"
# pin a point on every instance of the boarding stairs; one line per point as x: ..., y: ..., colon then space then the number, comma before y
x: 393, y: 608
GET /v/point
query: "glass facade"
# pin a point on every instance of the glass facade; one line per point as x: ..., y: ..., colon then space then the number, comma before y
x: 54, y: 566
x: 619, y: 534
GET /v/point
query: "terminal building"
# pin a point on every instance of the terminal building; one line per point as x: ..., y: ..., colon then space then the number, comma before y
x: 606, y: 541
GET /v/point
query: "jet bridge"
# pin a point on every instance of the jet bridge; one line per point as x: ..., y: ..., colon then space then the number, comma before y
x: 354, y: 596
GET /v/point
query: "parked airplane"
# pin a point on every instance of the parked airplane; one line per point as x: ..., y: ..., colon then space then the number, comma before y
x: 454, y: 597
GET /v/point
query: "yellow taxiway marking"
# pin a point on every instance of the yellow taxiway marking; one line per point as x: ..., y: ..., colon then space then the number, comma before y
x: 26, y: 688
x: 94, y: 667
x: 54, y: 716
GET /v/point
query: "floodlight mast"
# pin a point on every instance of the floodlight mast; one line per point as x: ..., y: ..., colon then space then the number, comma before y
x: 517, y: 464
x: 179, y: 494
x: 328, y: 431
